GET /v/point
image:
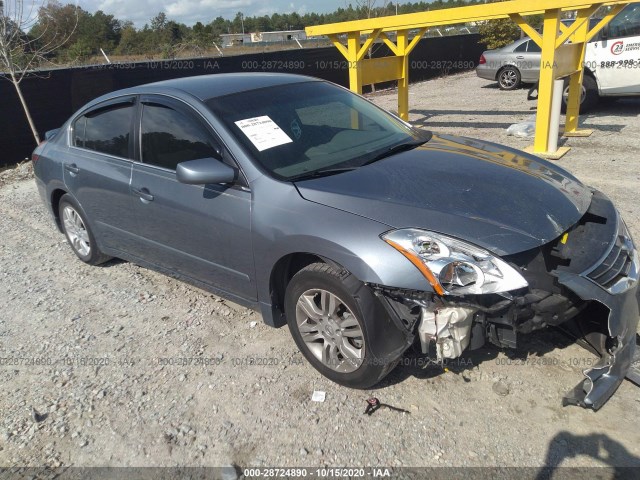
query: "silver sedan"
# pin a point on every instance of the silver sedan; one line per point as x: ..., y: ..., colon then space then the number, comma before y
x: 518, y: 62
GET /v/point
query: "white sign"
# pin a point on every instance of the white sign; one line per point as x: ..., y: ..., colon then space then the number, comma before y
x: 263, y: 132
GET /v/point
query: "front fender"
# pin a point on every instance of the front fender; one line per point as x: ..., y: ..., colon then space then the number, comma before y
x: 288, y: 224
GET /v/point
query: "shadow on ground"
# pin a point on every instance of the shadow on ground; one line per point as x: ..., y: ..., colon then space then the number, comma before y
x: 609, y: 452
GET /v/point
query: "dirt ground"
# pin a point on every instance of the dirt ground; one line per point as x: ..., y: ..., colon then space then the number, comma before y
x: 121, y: 366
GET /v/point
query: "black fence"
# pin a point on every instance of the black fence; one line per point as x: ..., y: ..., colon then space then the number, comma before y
x: 54, y: 95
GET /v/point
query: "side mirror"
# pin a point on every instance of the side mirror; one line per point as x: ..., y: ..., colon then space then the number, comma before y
x: 204, y: 171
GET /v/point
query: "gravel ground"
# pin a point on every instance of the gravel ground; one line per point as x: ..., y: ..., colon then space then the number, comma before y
x: 99, y: 394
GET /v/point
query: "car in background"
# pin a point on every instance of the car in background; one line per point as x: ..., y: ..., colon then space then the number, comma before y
x: 611, y: 65
x: 511, y: 65
x: 298, y: 198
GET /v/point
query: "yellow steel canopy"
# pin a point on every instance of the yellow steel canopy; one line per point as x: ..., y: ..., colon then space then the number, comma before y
x: 558, y: 59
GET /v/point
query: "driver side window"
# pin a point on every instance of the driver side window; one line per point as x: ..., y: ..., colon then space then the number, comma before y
x: 169, y: 137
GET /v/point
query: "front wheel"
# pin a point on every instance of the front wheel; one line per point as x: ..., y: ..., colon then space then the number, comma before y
x: 79, y: 235
x: 330, y: 329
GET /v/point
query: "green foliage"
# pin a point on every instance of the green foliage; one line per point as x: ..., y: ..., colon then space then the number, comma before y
x: 498, y: 33
x: 80, y: 50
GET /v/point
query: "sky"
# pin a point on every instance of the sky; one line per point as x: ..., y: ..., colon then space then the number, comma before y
x: 191, y: 11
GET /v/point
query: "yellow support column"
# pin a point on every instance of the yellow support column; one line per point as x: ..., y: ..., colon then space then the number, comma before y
x: 403, y: 77
x: 355, y: 68
x: 575, y: 82
x: 355, y: 72
x: 546, y: 87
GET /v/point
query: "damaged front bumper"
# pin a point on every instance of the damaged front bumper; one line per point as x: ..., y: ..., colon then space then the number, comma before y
x: 619, y: 357
x: 597, y: 303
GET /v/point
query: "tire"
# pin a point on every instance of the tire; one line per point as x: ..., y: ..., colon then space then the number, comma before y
x: 509, y: 78
x: 589, y: 97
x: 79, y: 235
x: 324, y: 309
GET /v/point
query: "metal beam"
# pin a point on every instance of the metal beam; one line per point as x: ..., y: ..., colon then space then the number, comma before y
x: 581, y: 19
x: 449, y: 16
x: 526, y: 28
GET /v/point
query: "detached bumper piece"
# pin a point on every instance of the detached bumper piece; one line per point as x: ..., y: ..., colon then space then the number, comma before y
x: 619, y: 357
x: 613, y: 283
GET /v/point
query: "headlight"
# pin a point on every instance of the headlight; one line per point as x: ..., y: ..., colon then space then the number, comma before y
x: 453, y: 267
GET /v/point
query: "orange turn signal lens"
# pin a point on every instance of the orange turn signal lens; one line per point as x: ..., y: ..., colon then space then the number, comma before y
x: 419, y: 264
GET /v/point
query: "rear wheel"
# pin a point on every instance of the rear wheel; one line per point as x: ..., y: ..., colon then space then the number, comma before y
x: 330, y: 329
x: 79, y: 235
x: 509, y: 78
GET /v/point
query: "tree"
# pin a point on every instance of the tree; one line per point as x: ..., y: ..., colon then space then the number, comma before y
x: 371, y: 8
x: 159, y: 22
x: 21, y: 53
x: 57, y: 21
x: 129, y: 39
x: 498, y: 33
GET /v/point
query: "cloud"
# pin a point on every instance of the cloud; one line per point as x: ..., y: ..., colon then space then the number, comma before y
x: 191, y: 11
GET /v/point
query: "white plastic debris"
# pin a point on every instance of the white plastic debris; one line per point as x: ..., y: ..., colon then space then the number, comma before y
x: 318, y: 396
x: 523, y: 129
x: 253, y: 324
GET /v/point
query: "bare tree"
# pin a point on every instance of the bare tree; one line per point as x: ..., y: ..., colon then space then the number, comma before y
x: 21, y: 54
x: 372, y: 9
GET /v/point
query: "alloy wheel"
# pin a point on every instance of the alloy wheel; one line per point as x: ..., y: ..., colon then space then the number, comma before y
x: 508, y: 78
x: 330, y: 330
x: 76, y: 231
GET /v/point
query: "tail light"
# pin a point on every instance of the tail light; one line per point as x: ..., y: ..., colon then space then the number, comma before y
x: 482, y: 60
x: 35, y: 156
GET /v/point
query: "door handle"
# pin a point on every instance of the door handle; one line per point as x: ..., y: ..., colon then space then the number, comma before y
x: 144, y: 194
x: 520, y: 57
x: 72, y: 168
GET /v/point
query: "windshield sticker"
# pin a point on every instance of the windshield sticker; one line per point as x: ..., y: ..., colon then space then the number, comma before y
x: 296, y: 129
x: 263, y: 132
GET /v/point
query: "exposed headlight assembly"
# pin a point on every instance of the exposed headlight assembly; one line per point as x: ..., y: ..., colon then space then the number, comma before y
x: 454, y: 267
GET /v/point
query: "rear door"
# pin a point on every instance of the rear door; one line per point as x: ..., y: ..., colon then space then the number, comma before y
x: 527, y: 59
x: 97, y: 169
x: 201, y: 232
x: 616, y: 59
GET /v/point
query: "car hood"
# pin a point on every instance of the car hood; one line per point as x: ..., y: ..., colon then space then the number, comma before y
x: 495, y: 197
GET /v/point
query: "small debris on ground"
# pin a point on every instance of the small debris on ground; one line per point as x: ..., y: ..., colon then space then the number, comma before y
x: 318, y: 396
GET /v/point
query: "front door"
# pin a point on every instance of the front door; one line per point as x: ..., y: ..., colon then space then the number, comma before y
x: 202, y: 232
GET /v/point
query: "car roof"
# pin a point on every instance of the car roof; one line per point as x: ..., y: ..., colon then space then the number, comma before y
x: 206, y: 87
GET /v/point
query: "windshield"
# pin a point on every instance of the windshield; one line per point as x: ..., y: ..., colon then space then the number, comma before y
x: 301, y: 129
